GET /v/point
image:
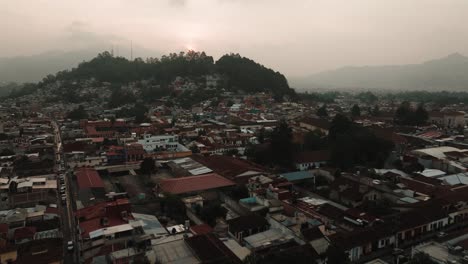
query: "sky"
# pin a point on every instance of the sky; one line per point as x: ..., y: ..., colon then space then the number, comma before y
x: 296, y: 37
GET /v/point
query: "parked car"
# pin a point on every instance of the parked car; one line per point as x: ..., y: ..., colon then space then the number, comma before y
x: 441, y: 234
x: 70, y: 245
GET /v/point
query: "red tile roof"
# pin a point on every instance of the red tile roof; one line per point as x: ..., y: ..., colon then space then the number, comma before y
x: 24, y: 232
x: 100, y: 209
x: 3, y: 228
x: 201, y: 229
x: 91, y: 216
x: 316, y: 122
x: 194, y: 183
x: 52, y: 210
x: 96, y: 224
x: 226, y: 166
x: 88, y: 178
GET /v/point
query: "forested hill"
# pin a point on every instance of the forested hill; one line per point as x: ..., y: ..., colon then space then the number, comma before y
x: 239, y: 73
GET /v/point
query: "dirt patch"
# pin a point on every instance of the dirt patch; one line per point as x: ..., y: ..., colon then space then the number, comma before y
x: 134, y: 185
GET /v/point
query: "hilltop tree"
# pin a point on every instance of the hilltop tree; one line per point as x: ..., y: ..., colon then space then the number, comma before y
x: 239, y: 73
x: 245, y: 74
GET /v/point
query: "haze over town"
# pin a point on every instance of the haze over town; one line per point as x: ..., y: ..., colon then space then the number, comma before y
x: 295, y: 37
x: 232, y: 131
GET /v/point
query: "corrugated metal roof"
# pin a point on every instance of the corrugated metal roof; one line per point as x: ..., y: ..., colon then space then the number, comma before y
x: 298, y: 175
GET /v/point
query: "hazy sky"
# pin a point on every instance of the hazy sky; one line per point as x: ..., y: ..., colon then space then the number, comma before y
x: 292, y: 36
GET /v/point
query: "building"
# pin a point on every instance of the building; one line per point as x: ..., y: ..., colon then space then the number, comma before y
x: 448, y: 119
x: 192, y: 185
x: 312, y: 124
x: 90, y: 185
x: 159, y: 143
x: 247, y: 225
x: 106, y: 226
x: 311, y: 159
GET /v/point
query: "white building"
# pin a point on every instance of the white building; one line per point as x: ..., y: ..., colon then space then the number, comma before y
x: 163, y: 142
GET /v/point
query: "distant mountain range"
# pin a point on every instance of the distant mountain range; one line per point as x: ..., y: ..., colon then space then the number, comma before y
x: 35, y: 67
x: 449, y: 73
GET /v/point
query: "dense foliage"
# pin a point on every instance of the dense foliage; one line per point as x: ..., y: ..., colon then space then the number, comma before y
x: 355, y: 111
x: 239, y: 72
x: 405, y: 115
x: 278, y: 151
x: 367, y: 97
x: 353, y: 145
x: 78, y: 113
x: 322, y: 111
x: 246, y: 74
x: 14, y: 90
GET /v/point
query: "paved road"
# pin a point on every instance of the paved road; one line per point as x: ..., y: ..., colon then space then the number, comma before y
x: 66, y: 209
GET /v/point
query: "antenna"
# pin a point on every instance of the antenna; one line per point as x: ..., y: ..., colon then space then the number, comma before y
x: 131, y: 50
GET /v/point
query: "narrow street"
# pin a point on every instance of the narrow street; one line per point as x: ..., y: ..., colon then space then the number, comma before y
x: 66, y: 208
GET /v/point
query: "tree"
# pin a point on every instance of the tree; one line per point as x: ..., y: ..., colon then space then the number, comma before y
x: 353, y: 145
x: 121, y: 97
x: 240, y: 192
x: 404, y: 115
x: 209, y: 213
x: 367, y: 97
x: 7, y: 152
x: 336, y: 256
x: 232, y: 152
x: 78, y: 113
x: 420, y: 115
x: 422, y: 258
x: 282, y: 147
x: 148, y: 166
x: 261, y: 135
x: 355, y: 111
x: 194, y: 148
x: 339, y: 125
x: 322, y: 111
x: 375, y: 111
x: 314, y: 140
x: 173, y: 206
x: 138, y: 111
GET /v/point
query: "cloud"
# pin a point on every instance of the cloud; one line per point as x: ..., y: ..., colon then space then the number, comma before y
x: 178, y: 2
x: 81, y: 33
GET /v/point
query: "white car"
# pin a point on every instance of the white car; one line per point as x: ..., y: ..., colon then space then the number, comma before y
x: 70, y: 245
